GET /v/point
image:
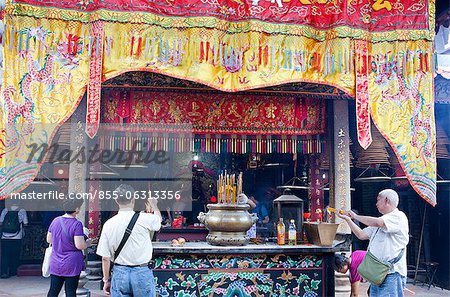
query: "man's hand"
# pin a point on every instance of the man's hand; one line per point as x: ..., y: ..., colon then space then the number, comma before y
x: 347, y: 217
x: 106, y: 265
x: 352, y: 215
x: 344, y: 216
x: 107, y: 288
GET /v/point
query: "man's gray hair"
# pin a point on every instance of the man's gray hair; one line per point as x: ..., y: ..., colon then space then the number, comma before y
x: 391, y: 195
x: 125, y: 193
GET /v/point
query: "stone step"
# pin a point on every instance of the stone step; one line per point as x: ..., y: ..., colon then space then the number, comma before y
x: 96, y: 264
x: 29, y: 270
x: 94, y: 271
x: 94, y: 278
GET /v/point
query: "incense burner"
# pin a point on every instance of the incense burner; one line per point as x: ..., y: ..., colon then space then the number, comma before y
x: 319, y: 233
x: 227, y: 224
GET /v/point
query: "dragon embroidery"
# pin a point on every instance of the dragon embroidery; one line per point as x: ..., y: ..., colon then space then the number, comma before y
x: 15, y: 110
x: 417, y: 122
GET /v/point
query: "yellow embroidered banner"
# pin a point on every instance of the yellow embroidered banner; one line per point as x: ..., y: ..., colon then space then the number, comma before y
x: 53, y: 53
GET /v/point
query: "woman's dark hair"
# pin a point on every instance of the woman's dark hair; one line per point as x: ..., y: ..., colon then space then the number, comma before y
x: 340, y: 260
x: 70, y: 205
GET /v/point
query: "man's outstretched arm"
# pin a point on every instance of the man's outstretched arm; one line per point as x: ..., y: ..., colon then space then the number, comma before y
x: 355, y: 229
x: 366, y: 220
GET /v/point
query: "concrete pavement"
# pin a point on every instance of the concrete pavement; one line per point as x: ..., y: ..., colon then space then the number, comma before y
x: 35, y: 286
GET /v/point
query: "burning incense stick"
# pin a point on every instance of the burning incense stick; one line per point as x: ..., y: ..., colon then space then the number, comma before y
x: 229, y: 188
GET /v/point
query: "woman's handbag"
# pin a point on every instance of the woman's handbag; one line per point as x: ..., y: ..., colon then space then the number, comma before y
x: 46, y: 262
x: 48, y: 252
x: 374, y: 270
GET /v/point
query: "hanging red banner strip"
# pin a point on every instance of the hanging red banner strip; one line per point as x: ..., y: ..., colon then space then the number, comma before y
x: 362, y: 94
x: 95, y: 48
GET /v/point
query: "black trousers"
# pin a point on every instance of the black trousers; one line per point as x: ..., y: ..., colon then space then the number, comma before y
x: 70, y: 285
x: 10, y: 256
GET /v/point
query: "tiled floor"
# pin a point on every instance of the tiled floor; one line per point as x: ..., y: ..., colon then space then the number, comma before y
x: 34, y: 286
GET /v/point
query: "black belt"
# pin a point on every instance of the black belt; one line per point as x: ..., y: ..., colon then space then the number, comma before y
x: 132, y: 266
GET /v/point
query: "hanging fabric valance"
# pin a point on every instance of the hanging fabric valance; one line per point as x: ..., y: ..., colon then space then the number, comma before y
x: 380, y: 52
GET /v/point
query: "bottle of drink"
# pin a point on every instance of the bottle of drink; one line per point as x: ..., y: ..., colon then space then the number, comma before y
x: 292, y: 233
x: 281, y: 232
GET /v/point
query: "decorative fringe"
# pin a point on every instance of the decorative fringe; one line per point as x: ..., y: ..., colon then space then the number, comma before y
x: 216, y: 143
x: 172, y: 51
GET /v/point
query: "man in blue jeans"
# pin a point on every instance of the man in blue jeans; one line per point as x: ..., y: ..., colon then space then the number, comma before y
x: 388, y: 238
x: 131, y: 274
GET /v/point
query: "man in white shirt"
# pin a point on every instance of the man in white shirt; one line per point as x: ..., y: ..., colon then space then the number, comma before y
x: 12, y: 235
x: 131, y: 274
x: 388, y: 238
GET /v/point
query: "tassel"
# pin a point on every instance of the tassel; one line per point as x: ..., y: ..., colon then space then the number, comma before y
x: 332, y: 64
x: 231, y: 61
x: 352, y: 61
x: 207, y: 51
x: 139, y: 49
x: 241, y: 57
x: 404, y: 64
x: 147, y: 47
x: 291, y: 60
x: 175, y: 52
x: 305, y: 61
x: 19, y: 45
x: 281, y: 52
x: 220, y: 53
x: 166, y: 52
x: 202, y: 54
x: 27, y: 45
x: 260, y: 55
x: 316, y: 62
x: 340, y: 62
x: 346, y: 59
x: 215, y: 54
x: 225, y: 56
x: 418, y: 61
x: 272, y: 49
x: 161, y: 50
x: 11, y: 38
x: 132, y: 46
x: 266, y: 55
x: 153, y: 47
x: 319, y: 62
x: 422, y: 64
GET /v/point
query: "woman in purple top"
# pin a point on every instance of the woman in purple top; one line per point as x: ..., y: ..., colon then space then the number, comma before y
x: 342, y: 264
x: 66, y: 262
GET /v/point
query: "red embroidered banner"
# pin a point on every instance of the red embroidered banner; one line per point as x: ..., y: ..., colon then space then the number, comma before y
x: 95, y: 51
x: 378, y: 15
x: 219, y: 114
x: 362, y: 94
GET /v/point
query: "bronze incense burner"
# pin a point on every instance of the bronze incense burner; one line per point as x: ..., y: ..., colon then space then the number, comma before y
x: 228, y: 223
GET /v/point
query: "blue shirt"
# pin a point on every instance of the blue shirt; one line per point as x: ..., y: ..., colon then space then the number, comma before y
x: 261, y: 211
